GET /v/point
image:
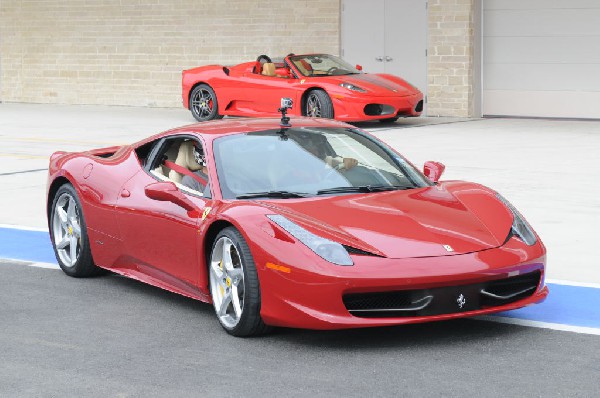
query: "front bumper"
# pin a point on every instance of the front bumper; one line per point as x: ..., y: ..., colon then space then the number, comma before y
x: 360, y: 108
x: 315, y: 300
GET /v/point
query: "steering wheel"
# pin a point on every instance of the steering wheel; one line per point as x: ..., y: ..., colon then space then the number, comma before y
x: 332, y: 69
x: 263, y: 59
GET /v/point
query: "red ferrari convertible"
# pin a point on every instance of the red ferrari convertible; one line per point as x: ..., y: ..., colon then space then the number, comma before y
x: 314, y: 225
x: 324, y: 86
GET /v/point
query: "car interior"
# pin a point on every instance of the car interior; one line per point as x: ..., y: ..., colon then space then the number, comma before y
x: 176, y: 160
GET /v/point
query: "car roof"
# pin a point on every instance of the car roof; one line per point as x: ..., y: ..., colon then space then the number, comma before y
x: 231, y: 126
x: 246, y: 125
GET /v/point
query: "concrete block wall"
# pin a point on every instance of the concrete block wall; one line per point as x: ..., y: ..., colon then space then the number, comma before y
x: 132, y: 52
x: 451, y: 68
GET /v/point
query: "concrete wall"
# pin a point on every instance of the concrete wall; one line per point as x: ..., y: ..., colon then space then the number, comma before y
x: 132, y: 52
x: 452, y: 63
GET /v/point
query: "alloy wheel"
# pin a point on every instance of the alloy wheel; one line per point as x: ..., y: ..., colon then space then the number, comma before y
x: 313, y: 106
x: 227, y: 282
x: 202, y: 103
x: 66, y: 229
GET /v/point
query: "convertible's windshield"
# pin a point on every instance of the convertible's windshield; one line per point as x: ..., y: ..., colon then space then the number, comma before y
x: 300, y: 162
x: 322, y: 65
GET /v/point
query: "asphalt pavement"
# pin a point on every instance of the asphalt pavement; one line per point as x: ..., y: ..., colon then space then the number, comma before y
x: 114, y: 337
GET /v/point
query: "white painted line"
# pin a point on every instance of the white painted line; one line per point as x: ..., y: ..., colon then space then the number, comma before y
x: 538, y: 324
x: 44, y: 265
x: 5, y: 261
x: 573, y: 283
x: 23, y: 227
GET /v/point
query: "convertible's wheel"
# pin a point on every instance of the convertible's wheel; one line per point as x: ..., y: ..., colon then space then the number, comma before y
x: 203, y: 103
x: 318, y: 104
x: 69, y: 234
x: 234, y: 285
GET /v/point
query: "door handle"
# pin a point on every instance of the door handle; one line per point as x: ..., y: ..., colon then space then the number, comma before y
x: 125, y: 193
x: 379, y: 59
x: 388, y: 59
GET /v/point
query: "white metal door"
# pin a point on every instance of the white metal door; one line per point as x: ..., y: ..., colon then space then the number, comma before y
x: 541, y: 58
x: 387, y: 36
x: 363, y: 34
x: 406, y: 41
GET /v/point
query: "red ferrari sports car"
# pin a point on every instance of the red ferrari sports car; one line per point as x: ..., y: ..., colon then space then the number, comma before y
x: 314, y: 225
x: 324, y: 86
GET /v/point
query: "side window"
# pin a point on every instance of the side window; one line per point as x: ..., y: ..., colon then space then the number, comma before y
x: 182, y: 161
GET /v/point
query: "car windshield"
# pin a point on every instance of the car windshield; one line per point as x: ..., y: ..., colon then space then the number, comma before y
x: 322, y: 65
x: 300, y: 162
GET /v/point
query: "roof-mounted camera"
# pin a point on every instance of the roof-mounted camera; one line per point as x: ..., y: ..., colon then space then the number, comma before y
x: 286, y: 103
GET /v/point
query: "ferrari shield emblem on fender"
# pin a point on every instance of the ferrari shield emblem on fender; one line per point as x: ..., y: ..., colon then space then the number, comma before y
x: 205, y: 212
x: 461, y: 301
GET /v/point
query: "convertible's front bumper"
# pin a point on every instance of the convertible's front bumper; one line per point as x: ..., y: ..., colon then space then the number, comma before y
x: 450, y: 286
x: 362, y: 108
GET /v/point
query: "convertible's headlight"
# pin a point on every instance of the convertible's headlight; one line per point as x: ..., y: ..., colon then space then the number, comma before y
x: 352, y: 87
x: 329, y: 250
x: 520, y: 228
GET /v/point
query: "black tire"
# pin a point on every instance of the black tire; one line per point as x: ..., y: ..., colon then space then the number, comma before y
x: 389, y: 120
x: 249, y: 323
x: 203, y: 103
x: 318, y: 104
x: 71, y: 228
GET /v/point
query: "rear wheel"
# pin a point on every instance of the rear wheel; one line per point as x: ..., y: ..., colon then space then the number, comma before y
x: 203, y: 103
x: 318, y: 104
x: 234, y: 286
x: 68, y: 233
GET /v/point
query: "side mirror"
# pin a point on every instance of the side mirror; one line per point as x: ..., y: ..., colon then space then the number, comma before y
x: 358, y: 67
x: 168, y: 192
x: 433, y: 170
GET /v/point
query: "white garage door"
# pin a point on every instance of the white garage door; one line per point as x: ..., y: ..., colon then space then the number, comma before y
x: 541, y: 58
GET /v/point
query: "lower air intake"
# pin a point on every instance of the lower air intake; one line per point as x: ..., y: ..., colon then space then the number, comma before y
x: 442, y: 300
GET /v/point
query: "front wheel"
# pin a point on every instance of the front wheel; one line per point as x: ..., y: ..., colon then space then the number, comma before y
x: 203, y: 103
x: 318, y: 104
x: 68, y: 233
x: 234, y: 285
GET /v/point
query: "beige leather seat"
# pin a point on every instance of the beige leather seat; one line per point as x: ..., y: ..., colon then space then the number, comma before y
x: 268, y: 69
x: 185, y: 158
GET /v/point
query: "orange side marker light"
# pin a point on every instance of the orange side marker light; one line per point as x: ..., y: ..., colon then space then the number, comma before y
x: 279, y: 268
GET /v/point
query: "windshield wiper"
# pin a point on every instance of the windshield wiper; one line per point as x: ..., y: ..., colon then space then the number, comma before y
x: 363, y: 188
x: 272, y: 194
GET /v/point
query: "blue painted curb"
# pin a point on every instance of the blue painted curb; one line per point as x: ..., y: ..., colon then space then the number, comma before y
x: 566, y: 305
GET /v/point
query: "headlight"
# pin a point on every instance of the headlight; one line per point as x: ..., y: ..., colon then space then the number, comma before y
x: 520, y: 228
x: 331, y: 251
x: 352, y: 87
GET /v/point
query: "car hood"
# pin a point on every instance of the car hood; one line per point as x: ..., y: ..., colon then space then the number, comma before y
x: 379, y: 85
x: 442, y: 220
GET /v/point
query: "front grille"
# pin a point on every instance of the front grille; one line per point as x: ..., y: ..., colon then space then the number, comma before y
x: 373, y: 109
x: 442, y: 300
x: 378, y: 109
